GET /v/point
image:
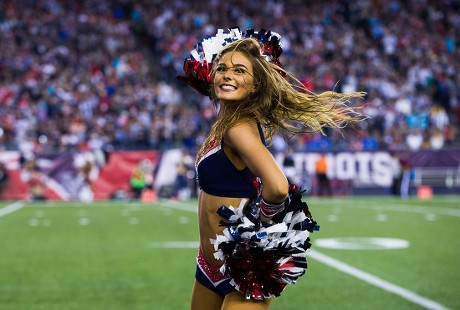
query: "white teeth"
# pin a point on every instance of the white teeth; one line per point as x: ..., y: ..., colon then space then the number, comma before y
x: 228, y: 87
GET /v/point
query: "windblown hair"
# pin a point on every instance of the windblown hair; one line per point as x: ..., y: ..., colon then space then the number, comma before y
x: 280, y: 101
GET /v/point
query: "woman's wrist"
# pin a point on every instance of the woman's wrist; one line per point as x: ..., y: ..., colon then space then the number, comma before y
x: 270, y: 209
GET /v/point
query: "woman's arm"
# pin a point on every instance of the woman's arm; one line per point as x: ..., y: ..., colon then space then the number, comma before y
x: 245, y: 143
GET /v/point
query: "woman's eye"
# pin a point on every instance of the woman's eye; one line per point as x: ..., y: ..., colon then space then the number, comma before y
x: 224, y: 69
x: 220, y: 69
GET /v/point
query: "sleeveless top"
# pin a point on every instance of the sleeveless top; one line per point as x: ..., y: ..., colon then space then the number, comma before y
x: 216, y: 175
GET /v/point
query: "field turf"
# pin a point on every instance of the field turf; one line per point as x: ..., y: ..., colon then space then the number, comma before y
x: 130, y: 255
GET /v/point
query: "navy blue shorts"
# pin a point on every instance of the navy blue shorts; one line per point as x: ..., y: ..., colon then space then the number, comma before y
x: 222, y: 288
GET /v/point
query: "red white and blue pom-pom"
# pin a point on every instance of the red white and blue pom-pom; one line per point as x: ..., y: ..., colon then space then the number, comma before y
x: 272, y: 47
x: 198, y: 65
x: 263, y: 258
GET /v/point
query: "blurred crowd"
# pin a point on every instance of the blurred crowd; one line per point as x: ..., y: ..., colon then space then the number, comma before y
x: 100, y: 74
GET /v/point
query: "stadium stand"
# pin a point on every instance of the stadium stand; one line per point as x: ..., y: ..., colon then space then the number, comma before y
x: 99, y: 74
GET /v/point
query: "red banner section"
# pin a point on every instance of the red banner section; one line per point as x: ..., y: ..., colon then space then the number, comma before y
x: 12, y: 187
x: 73, y: 176
x: 115, y: 175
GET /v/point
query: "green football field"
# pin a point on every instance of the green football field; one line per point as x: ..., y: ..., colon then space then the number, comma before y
x: 371, y: 253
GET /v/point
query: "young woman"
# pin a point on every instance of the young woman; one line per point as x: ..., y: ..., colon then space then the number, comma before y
x: 255, y: 98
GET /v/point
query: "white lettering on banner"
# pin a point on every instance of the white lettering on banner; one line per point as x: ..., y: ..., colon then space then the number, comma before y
x: 166, y: 174
x: 363, y: 168
x: 311, y: 161
x: 345, y: 168
x: 381, y: 169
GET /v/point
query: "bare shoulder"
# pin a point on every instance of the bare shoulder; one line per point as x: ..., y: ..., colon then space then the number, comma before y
x: 243, y: 132
x: 243, y: 140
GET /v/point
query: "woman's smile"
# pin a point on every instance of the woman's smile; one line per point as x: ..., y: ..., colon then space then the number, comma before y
x: 227, y: 87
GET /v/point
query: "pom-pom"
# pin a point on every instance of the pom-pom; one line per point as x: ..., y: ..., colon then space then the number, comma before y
x: 197, y: 75
x: 262, y: 258
x: 198, y: 66
x: 270, y: 40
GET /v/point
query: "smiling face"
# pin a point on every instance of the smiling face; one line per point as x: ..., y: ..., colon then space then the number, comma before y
x: 234, y: 77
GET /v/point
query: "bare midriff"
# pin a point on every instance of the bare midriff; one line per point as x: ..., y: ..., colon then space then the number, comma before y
x: 208, y: 221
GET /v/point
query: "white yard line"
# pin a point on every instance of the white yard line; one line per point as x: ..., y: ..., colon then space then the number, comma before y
x: 376, y: 281
x: 413, y: 209
x: 179, y: 205
x: 11, y: 208
x: 380, y: 206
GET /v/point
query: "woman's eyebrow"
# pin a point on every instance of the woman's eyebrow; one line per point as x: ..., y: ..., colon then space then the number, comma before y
x: 239, y: 65
x: 233, y: 66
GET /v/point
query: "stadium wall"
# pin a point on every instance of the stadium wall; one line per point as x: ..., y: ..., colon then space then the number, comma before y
x: 94, y: 175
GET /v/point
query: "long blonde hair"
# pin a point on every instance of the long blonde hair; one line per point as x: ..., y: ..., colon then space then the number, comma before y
x: 280, y: 101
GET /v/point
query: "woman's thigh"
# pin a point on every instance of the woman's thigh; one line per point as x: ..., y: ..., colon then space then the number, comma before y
x: 236, y: 301
x: 205, y: 299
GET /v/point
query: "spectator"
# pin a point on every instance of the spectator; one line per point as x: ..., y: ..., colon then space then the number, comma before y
x: 406, y: 176
x: 396, y: 172
x: 137, y: 181
x: 35, y: 180
x: 321, y: 169
x: 102, y: 71
x: 288, y: 166
x: 4, y: 178
x: 183, y: 190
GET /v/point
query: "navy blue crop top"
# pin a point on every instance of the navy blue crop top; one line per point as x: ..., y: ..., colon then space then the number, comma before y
x: 216, y: 175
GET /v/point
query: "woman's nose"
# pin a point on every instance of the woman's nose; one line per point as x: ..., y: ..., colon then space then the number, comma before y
x: 228, y: 74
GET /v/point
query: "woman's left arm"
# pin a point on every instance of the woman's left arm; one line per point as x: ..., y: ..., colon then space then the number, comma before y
x: 244, y: 140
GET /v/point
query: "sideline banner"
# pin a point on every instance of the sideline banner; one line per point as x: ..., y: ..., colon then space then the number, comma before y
x: 78, y: 176
x: 84, y: 176
x: 15, y: 188
x: 371, y: 169
x: 114, y: 176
